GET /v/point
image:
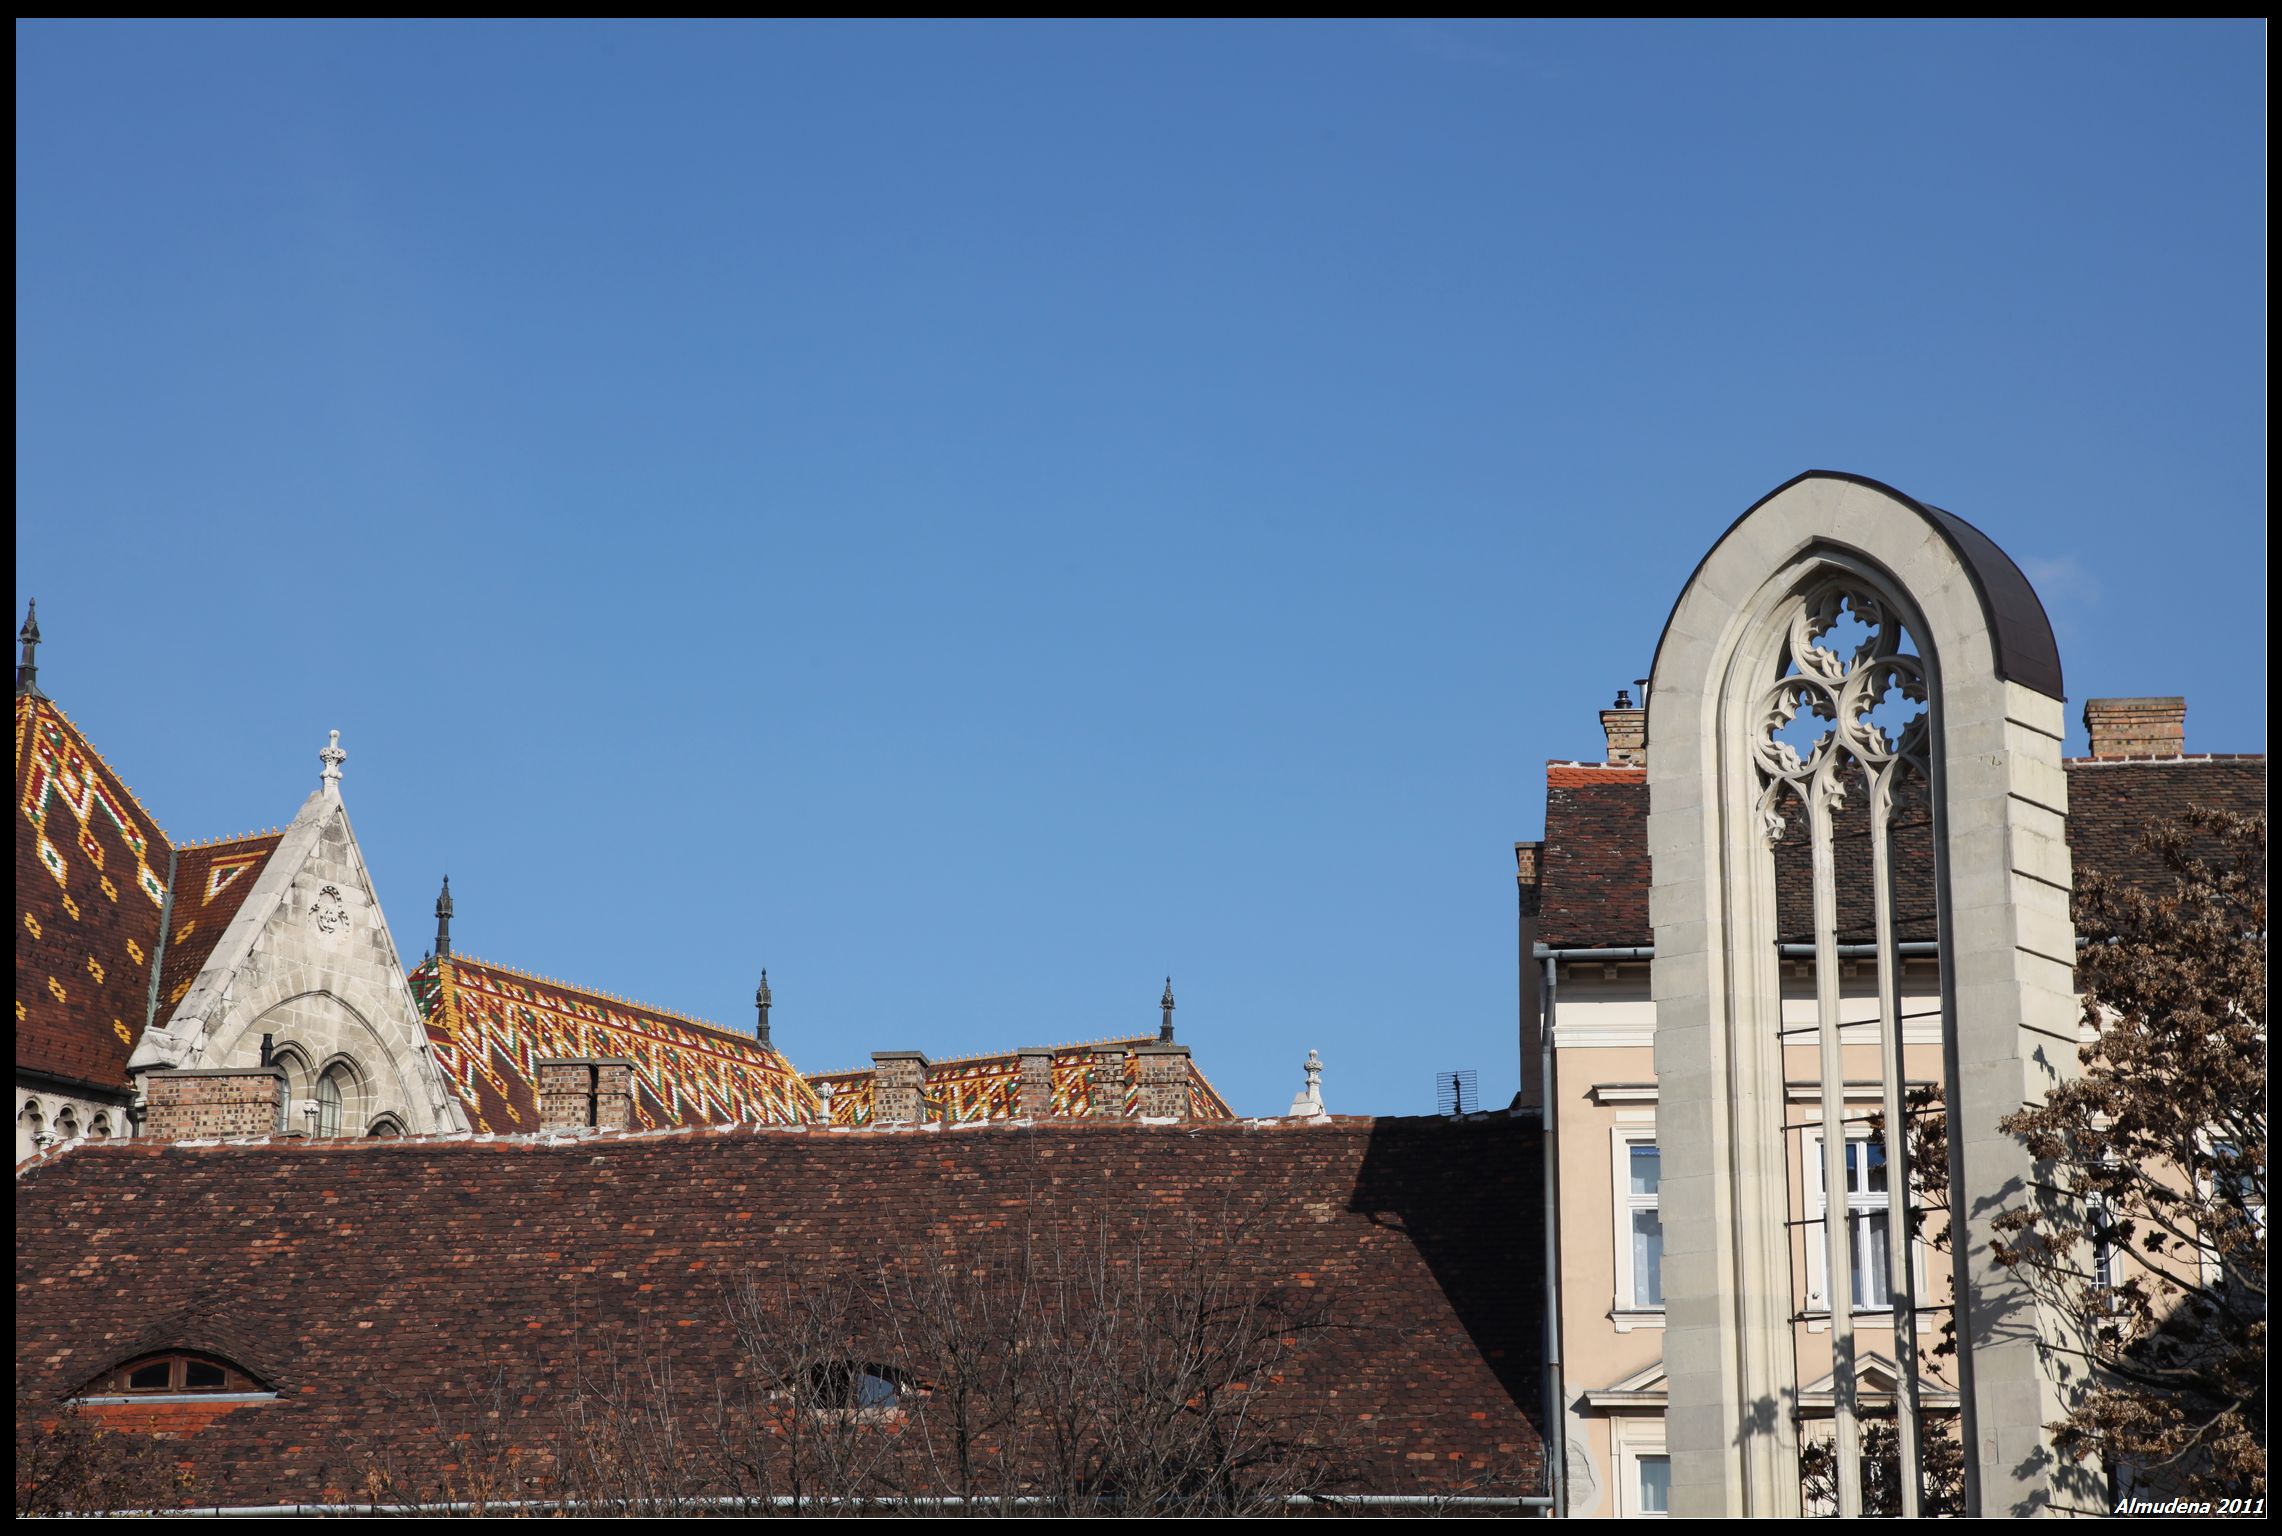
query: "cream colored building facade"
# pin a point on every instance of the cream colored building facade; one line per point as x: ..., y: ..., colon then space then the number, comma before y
x: 1610, y: 1219
x: 1689, y: 1373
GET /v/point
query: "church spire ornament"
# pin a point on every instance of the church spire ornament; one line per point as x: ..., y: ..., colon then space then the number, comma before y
x: 444, y: 921
x: 27, y: 671
x: 332, y: 757
x: 761, y: 1001
x: 1165, y: 1030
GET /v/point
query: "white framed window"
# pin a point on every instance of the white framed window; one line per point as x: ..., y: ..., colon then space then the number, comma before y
x: 1869, y: 1219
x: 1643, y: 1469
x: 1636, y: 1178
x: 2107, y: 1252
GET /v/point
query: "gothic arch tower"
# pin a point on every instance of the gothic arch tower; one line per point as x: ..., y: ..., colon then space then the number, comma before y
x: 1761, y: 642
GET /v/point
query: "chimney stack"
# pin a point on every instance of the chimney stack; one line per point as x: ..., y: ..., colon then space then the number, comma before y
x: 899, y: 1087
x: 1034, y: 1083
x: 586, y: 1092
x: 232, y: 1101
x: 1105, y: 1083
x: 1626, y: 726
x: 2136, y: 727
x: 1163, y: 1069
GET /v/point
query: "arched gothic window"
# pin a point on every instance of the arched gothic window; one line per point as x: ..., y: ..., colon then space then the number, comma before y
x: 331, y: 1091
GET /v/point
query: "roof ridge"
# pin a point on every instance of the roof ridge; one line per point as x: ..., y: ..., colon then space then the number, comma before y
x: 204, y: 843
x: 960, y: 1061
x: 2137, y: 760
x: 116, y: 777
x: 459, y: 958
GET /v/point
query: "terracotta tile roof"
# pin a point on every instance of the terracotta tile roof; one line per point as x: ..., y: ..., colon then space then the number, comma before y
x: 2110, y: 800
x: 489, y: 1027
x: 977, y: 1088
x: 1595, y: 868
x: 92, y: 877
x: 394, y: 1282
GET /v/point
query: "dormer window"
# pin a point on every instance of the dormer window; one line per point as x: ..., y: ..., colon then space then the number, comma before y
x: 851, y: 1389
x: 178, y: 1373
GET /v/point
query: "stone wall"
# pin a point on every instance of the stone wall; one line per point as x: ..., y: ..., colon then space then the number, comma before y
x: 183, y: 1106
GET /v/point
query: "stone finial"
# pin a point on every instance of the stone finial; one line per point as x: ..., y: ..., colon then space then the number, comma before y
x: 1165, y: 1030
x: 332, y: 757
x: 444, y: 921
x: 1307, y: 1104
x: 761, y: 1002
x: 27, y: 670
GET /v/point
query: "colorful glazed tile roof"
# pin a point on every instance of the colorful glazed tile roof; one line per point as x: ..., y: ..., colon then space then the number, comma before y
x: 489, y: 1027
x: 969, y: 1089
x: 211, y: 881
x: 92, y: 878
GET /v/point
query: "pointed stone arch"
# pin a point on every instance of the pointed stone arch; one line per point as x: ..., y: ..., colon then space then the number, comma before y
x: 1990, y: 751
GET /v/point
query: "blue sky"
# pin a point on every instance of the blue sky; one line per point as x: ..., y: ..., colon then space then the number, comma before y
x: 974, y: 518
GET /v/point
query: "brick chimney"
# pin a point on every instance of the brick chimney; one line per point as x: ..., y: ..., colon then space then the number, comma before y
x: 1164, y: 1074
x: 1529, y: 866
x: 899, y: 1087
x: 586, y: 1092
x: 2136, y: 727
x: 1105, y: 1094
x: 1626, y: 726
x: 236, y: 1101
x: 1034, y: 1083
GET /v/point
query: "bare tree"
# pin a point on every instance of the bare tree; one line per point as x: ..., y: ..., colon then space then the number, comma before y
x: 2158, y: 1151
x: 2147, y: 1237
x: 68, y: 1462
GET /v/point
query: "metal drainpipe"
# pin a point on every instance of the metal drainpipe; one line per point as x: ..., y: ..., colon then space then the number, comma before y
x: 1556, y: 1417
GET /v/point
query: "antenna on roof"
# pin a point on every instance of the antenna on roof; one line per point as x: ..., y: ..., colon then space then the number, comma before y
x: 761, y: 1001
x: 1165, y: 1030
x: 27, y: 671
x: 1456, y: 1092
x: 444, y: 921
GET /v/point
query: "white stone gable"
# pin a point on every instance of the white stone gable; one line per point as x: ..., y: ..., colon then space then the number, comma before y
x: 309, y: 961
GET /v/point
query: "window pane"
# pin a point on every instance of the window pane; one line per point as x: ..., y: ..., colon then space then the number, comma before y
x: 1645, y: 1170
x: 152, y: 1378
x: 329, y: 1105
x: 1655, y: 1485
x: 1870, y: 1276
x: 1869, y: 1164
x: 1647, y: 1259
x: 201, y: 1376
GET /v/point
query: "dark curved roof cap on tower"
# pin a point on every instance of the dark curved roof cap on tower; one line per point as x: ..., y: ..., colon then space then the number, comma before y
x: 2020, y: 635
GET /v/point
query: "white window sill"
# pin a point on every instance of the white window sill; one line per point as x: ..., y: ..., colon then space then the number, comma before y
x: 1629, y: 1318
x: 1882, y: 1317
